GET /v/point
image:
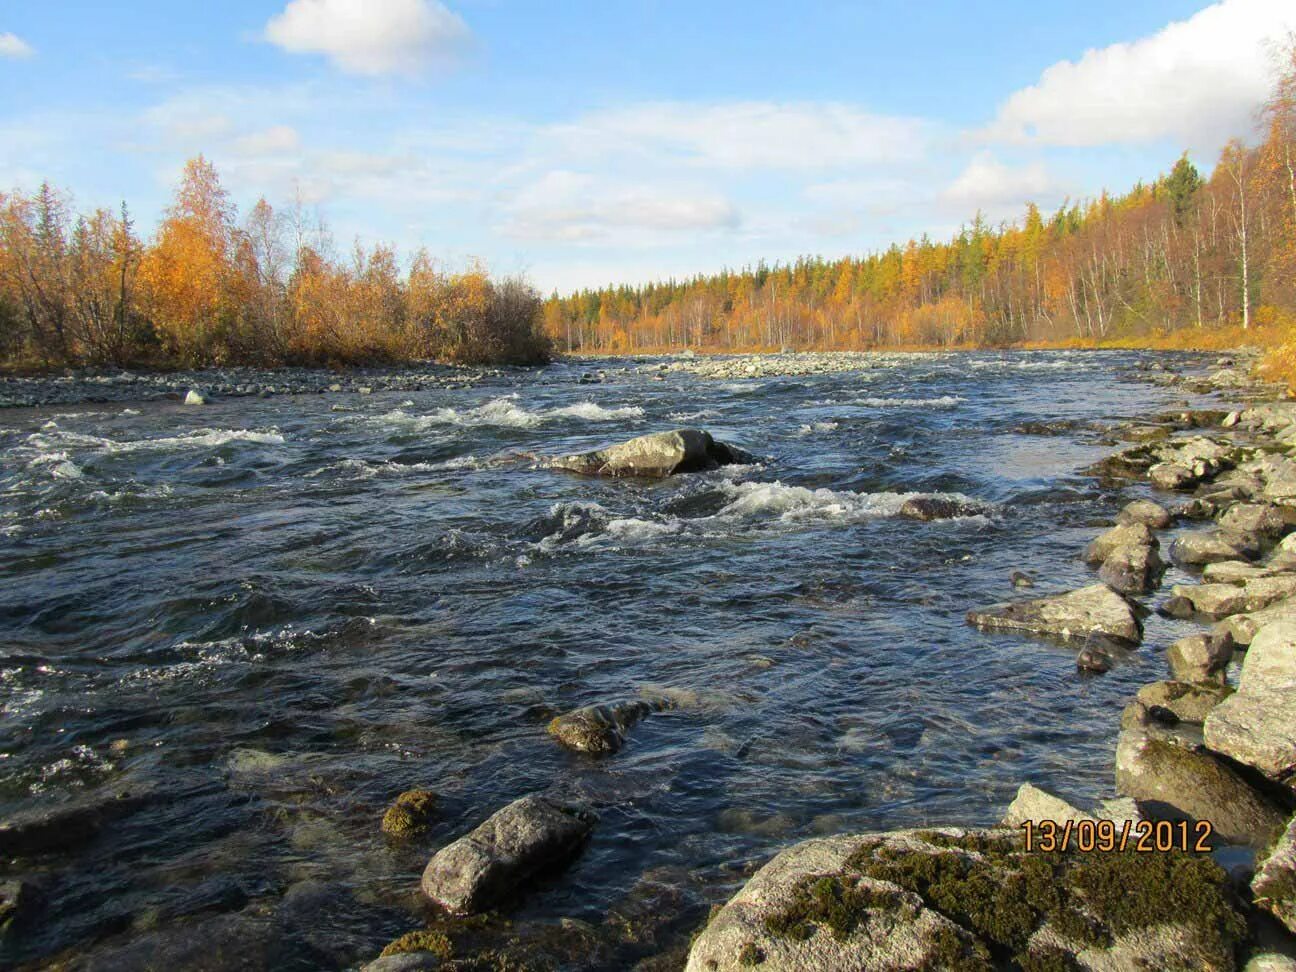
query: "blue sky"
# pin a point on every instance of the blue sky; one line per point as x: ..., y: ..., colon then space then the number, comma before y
x: 583, y: 143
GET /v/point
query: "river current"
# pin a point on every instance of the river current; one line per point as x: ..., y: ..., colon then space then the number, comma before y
x: 265, y: 618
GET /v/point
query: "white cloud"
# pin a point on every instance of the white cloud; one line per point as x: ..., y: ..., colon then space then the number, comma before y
x: 749, y: 134
x: 573, y: 207
x: 371, y: 36
x: 1198, y: 80
x: 988, y: 184
x: 277, y: 140
x: 11, y: 45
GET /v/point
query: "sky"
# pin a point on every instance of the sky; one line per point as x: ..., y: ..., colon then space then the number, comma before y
x: 584, y: 143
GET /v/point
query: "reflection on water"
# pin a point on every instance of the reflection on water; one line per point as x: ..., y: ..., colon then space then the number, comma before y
x: 262, y: 620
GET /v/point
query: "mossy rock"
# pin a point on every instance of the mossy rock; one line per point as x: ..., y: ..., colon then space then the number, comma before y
x: 422, y: 940
x: 410, y: 815
x: 974, y: 900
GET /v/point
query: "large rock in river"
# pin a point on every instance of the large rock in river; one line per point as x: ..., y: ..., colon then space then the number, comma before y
x: 1274, y: 885
x: 1075, y: 615
x: 657, y: 455
x: 487, y: 865
x: 970, y: 900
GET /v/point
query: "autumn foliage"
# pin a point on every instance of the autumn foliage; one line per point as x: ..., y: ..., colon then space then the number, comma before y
x: 209, y: 290
x: 1182, y: 255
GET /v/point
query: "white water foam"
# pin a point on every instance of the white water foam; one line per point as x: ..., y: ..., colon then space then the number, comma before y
x: 506, y: 412
x: 944, y: 401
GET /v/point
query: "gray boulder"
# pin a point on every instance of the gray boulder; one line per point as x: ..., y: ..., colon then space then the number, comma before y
x: 1201, y: 657
x: 1274, y: 885
x: 1205, y: 547
x: 969, y: 900
x: 1132, y: 570
x: 1244, y: 627
x: 657, y: 455
x: 1075, y: 615
x: 601, y: 729
x: 1189, y: 702
x: 1271, y: 658
x: 1146, y: 512
x: 195, y: 397
x: 1255, y: 519
x: 1122, y: 535
x: 482, y: 868
x: 1172, y: 475
x: 1213, y: 600
x: 1257, y: 728
x: 1173, y: 780
x: 1034, y: 804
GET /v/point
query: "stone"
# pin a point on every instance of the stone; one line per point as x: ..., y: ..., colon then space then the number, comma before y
x: 1214, y: 600
x: 1074, y: 615
x: 1171, y: 475
x: 601, y: 729
x: 1235, y: 572
x: 1150, y: 514
x: 486, y: 866
x: 195, y: 397
x: 1244, y: 627
x: 1173, y: 781
x: 405, y: 962
x: 657, y: 455
x: 1188, y: 702
x: 1257, y: 519
x: 1257, y: 727
x: 1096, y: 658
x: 1176, y: 607
x: 973, y: 901
x: 1133, y: 570
x: 19, y: 903
x: 939, y: 508
x: 1204, y: 547
x: 63, y: 827
x: 410, y: 815
x: 1271, y: 658
x: 1201, y: 657
x: 1124, y: 535
x: 1034, y: 804
x: 1274, y: 884
x: 1020, y: 579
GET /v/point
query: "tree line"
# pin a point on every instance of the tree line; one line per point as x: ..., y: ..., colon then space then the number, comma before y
x: 1183, y: 252
x: 209, y: 289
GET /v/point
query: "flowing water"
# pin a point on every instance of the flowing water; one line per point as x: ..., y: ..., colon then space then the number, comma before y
x: 264, y: 619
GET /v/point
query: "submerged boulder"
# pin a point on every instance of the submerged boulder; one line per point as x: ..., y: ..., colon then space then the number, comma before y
x: 970, y: 900
x: 410, y: 815
x: 194, y: 397
x: 1075, y: 615
x: 657, y: 455
x: 601, y: 729
x: 1133, y: 570
x: 939, y: 508
x: 483, y: 867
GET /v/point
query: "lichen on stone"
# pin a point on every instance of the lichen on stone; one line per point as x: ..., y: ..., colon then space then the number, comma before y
x: 410, y: 815
x: 421, y: 941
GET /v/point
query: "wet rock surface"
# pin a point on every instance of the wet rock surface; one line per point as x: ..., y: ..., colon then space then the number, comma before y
x: 1074, y: 615
x: 485, y: 867
x: 657, y: 455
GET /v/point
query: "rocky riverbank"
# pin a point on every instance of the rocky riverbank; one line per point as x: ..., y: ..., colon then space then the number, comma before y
x: 75, y: 387
x: 1212, y: 744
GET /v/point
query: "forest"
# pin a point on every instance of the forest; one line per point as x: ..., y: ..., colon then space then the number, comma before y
x: 1184, y: 253
x: 1186, y: 259
x: 208, y: 289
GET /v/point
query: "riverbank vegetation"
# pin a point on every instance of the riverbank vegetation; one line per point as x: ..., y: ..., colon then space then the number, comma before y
x: 1178, y: 260
x: 211, y: 289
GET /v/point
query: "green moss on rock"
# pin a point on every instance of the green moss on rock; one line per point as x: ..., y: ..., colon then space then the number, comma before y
x: 750, y: 955
x: 990, y: 886
x: 410, y: 815
x: 421, y: 941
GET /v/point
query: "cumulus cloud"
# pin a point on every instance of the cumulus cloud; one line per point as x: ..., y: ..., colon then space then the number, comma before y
x: 573, y: 207
x: 11, y: 45
x: 989, y: 184
x: 371, y: 36
x: 1198, y: 80
x: 750, y: 134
